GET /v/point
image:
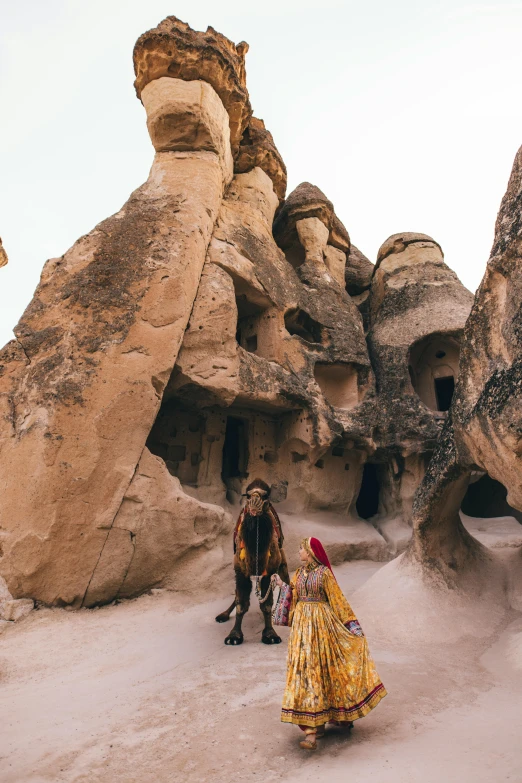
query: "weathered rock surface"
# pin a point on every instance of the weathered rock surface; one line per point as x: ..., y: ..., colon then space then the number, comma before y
x: 12, y: 610
x: 307, y: 201
x: 257, y: 149
x: 358, y: 272
x: 208, y: 333
x: 82, y: 383
x: 16, y: 609
x: 3, y: 255
x: 484, y: 431
x: 174, y: 50
x: 417, y: 309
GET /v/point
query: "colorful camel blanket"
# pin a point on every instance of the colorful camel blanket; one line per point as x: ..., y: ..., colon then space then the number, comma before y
x: 276, y: 525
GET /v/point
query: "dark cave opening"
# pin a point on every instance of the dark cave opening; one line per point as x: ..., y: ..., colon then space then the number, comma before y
x: 444, y: 388
x: 487, y: 498
x: 299, y: 323
x: 235, y: 450
x: 367, y: 503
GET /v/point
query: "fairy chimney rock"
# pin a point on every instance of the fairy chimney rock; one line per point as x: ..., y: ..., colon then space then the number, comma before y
x: 173, y: 50
x: 307, y: 223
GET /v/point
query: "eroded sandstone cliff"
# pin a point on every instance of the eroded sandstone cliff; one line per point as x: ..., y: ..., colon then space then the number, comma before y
x: 209, y: 332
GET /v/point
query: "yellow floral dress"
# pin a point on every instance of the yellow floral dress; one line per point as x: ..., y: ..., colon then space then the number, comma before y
x: 330, y: 673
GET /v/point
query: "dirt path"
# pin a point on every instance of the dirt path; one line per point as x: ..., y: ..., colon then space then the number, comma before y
x: 145, y: 692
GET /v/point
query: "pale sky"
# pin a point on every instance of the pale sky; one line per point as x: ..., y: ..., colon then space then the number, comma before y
x: 407, y: 114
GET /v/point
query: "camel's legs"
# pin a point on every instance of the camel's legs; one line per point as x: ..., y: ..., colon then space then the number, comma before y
x: 243, y: 590
x: 268, y: 636
x: 224, y: 616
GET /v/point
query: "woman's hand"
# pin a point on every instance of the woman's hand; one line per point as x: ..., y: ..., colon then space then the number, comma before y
x: 276, y: 579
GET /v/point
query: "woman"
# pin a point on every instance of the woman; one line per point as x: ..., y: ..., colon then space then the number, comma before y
x: 330, y: 674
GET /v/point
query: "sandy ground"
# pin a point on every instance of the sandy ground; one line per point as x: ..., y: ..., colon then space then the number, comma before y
x: 146, y: 692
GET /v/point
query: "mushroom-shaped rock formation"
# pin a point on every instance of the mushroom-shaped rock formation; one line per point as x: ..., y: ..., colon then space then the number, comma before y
x: 173, y: 50
x: 82, y: 384
x: 192, y: 342
x: 307, y: 228
x: 484, y: 431
x: 173, y: 351
x: 418, y: 309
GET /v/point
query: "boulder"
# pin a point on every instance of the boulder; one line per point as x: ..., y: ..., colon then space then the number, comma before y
x: 16, y: 609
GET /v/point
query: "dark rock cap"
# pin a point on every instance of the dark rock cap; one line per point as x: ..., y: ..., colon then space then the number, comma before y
x: 308, y: 201
x: 174, y: 49
x: 398, y: 242
x: 257, y: 148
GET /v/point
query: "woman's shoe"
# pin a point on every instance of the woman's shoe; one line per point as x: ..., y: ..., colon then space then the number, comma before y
x: 321, y: 731
x: 341, y: 724
x: 309, y: 743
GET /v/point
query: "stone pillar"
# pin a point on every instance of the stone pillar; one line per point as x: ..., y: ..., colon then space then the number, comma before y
x: 83, y: 382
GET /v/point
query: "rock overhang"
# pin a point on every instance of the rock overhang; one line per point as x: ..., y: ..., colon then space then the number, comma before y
x: 175, y: 50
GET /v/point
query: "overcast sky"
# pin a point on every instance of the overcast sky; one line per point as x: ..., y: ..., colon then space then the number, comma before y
x: 407, y: 114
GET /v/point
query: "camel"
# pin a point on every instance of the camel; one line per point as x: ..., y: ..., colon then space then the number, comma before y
x: 258, y: 552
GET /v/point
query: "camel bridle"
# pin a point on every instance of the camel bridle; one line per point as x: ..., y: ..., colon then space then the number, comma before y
x: 255, y: 506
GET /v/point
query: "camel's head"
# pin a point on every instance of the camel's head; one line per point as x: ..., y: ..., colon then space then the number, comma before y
x: 255, y: 505
x: 258, y: 493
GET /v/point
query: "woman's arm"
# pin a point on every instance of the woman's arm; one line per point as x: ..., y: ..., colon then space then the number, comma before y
x: 338, y: 603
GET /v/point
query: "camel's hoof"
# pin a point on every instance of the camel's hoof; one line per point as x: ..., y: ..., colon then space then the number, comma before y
x: 223, y: 617
x: 234, y: 638
x: 270, y: 637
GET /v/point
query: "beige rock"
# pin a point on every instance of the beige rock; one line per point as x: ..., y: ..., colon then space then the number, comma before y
x: 16, y: 610
x: 3, y: 255
x: 417, y: 312
x: 174, y: 50
x: 486, y: 420
x: 307, y: 201
x: 212, y: 332
x: 185, y: 116
x: 157, y: 526
x: 313, y: 235
x: 398, y: 243
x: 358, y: 272
x: 335, y: 261
x: 209, y: 356
x: 258, y: 150
x: 98, y: 345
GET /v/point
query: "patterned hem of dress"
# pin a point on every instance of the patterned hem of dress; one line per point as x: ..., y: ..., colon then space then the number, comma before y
x: 359, y: 710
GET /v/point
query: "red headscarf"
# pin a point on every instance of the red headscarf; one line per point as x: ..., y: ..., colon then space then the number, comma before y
x: 318, y: 552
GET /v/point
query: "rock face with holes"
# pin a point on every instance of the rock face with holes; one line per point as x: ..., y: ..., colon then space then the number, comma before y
x: 417, y: 312
x: 210, y: 332
x: 484, y: 432
x: 82, y: 383
x: 275, y: 355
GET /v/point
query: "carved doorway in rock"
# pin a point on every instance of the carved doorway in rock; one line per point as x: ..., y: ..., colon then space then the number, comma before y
x: 433, y: 365
x: 444, y: 388
x: 367, y: 503
x: 235, y: 456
